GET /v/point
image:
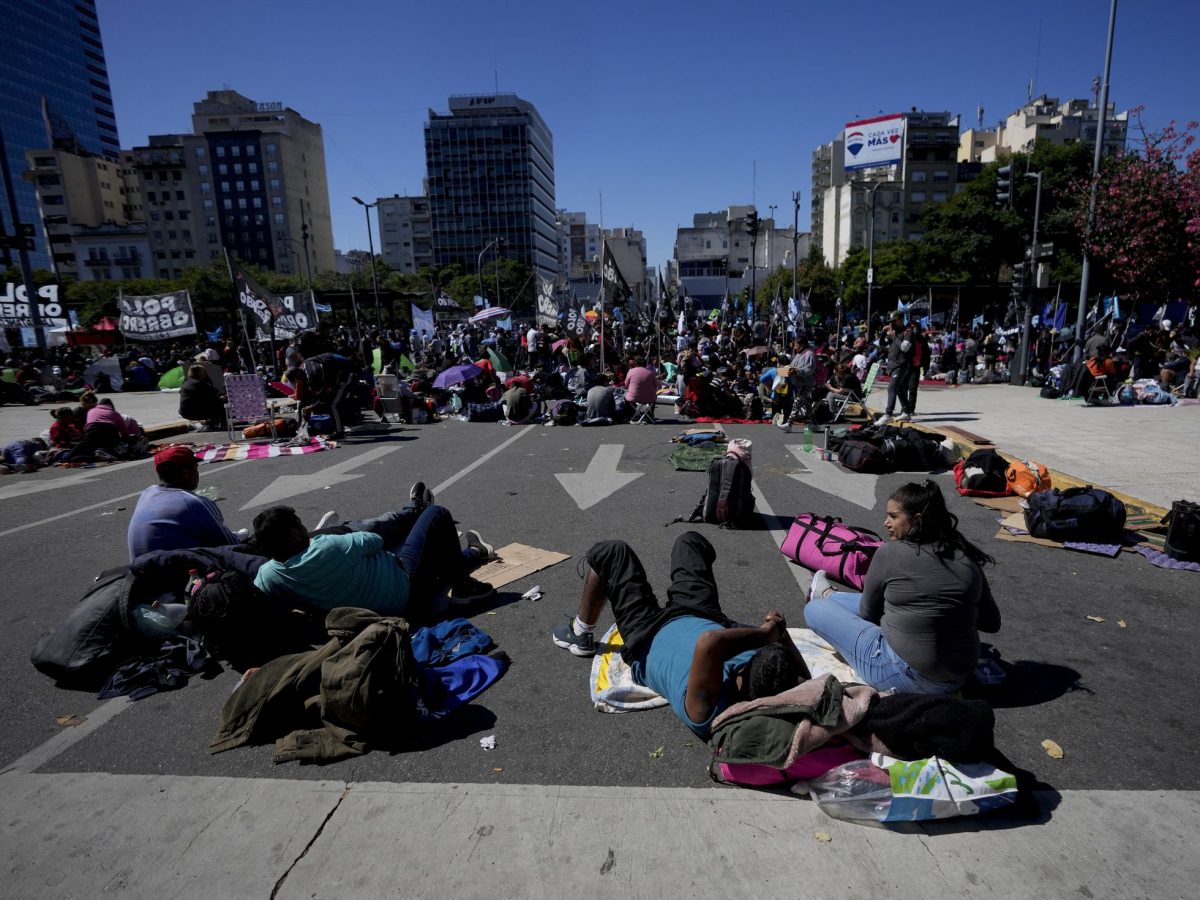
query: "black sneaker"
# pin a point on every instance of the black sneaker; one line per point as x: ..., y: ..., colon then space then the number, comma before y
x: 420, y: 495
x: 579, y: 644
x: 470, y: 590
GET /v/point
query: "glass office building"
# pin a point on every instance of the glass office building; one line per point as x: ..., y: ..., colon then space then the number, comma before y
x: 52, y: 50
x: 490, y: 169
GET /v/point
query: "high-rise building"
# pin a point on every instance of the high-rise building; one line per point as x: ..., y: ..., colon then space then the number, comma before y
x: 490, y: 178
x: 1044, y: 119
x: 405, y: 232
x: 56, y: 94
x: 926, y: 173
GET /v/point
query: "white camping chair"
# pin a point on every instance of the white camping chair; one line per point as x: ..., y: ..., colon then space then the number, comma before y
x: 246, y: 403
x: 838, y: 403
x: 390, y: 399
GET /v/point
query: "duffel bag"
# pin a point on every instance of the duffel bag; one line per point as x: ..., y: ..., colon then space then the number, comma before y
x: 912, y: 451
x: 97, y: 634
x: 1183, y: 531
x: 982, y: 474
x: 825, y: 544
x: 1076, y: 514
x: 1027, y: 478
x: 861, y: 456
x: 485, y: 412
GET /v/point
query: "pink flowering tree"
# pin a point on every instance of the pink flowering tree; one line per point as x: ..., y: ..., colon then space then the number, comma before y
x: 1146, y: 233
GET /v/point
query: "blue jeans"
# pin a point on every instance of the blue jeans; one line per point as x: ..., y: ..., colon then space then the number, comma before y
x: 426, y: 545
x: 862, y: 644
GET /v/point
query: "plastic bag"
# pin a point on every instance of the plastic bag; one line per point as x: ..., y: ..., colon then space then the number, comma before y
x: 883, y: 789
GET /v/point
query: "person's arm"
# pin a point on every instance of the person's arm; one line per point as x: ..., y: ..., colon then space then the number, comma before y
x: 988, y: 615
x: 713, y: 650
x: 870, y: 608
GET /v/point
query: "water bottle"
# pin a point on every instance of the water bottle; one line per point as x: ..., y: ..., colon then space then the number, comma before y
x: 160, y: 620
x: 808, y: 435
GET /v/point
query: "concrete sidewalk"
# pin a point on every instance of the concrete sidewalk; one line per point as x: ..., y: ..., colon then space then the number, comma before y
x: 83, y: 835
x: 1148, y: 452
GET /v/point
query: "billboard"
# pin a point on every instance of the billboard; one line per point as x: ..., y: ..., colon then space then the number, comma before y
x: 874, y: 142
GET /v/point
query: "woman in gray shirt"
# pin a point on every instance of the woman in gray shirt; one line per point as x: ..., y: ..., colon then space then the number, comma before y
x: 915, y: 626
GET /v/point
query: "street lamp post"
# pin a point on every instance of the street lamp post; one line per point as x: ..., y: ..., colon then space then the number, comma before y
x: 795, y: 241
x: 479, y: 270
x: 1102, y: 113
x: 771, y: 216
x: 1022, y: 368
x: 367, y: 207
x: 871, y: 255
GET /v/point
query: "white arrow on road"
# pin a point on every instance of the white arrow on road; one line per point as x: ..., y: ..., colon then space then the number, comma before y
x: 286, y: 486
x: 857, y: 487
x: 600, y: 479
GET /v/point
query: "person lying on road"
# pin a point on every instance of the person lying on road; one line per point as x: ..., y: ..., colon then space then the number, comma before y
x: 688, y: 651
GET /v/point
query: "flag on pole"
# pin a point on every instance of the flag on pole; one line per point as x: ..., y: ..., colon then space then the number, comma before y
x: 611, y: 279
x: 547, y: 309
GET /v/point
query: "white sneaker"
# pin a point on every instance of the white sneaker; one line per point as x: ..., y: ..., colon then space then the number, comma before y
x: 821, y: 586
x: 785, y: 427
x: 475, y: 542
x: 328, y: 520
x: 903, y: 417
x: 883, y: 420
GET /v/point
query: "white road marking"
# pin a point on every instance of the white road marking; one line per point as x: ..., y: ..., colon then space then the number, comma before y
x: 600, y: 479
x: 287, y: 486
x: 831, y: 478
x: 438, y: 488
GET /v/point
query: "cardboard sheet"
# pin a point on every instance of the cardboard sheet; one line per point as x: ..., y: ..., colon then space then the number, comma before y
x: 515, y: 562
x: 1000, y: 504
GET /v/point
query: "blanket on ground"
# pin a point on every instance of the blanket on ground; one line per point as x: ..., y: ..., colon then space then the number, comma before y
x: 209, y: 453
x: 776, y: 731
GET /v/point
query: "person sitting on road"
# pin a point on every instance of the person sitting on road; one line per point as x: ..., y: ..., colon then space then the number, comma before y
x: 688, y: 651
x: 65, y: 433
x: 601, y: 403
x: 21, y: 456
x: 915, y: 626
x: 395, y: 565
x: 107, y: 435
x: 200, y: 401
x: 518, y: 405
x: 169, y: 515
x: 322, y: 379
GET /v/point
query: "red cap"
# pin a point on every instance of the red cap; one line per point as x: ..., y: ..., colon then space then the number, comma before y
x: 176, y: 453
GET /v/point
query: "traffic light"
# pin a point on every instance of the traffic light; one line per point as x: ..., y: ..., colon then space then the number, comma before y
x: 1004, y: 185
x: 1018, y: 275
x: 752, y: 222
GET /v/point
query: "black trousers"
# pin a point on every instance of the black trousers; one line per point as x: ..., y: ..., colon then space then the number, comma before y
x: 693, y: 590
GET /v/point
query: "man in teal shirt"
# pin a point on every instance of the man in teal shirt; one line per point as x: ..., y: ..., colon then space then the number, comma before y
x: 381, y: 564
x: 688, y: 651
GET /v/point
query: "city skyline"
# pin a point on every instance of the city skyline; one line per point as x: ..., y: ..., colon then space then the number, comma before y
x: 661, y: 130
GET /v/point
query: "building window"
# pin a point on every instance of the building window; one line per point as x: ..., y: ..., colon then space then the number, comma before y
x: 274, y: 184
x: 212, y: 238
x: 277, y: 201
x: 150, y: 196
x: 271, y: 148
x: 285, y: 269
x: 235, y: 151
x: 254, y: 185
x: 199, y: 153
x: 203, y: 168
x: 207, y: 203
x: 278, y: 218
x: 222, y: 169
x: 220, y: 152
x: 169, y: 216
x: 258, y: 202
x: 917, y: 197
x: 183, y: 215
x: 237, y: 168
x: 941, y: 177
x: 227, y: 203
x: 252, y: 168
x: 919, y: 176
x: 224, y: 187
x: 939, y: 196
x: 272, y: 167
x: 186, y: 234
x: 205, y: 187
x: 155, y: 217
x: 241, y: 202
x: 241, y: 186
x: 250, y: 150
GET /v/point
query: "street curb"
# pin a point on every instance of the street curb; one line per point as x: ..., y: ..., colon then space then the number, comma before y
x: 167, y: 429
x: 965, y: 448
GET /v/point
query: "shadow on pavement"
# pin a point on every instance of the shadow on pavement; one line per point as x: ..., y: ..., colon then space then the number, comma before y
x: 1029, y: 683
x: 462, y: 723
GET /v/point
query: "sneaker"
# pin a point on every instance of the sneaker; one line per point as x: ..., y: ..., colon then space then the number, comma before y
x: 883, y: 420
x: 470, y: 590
x: 821, y: 586
x: 579, y: 644
x: 785, y: 427
x: 328, y: 520
x: 487, y: 552
x: 420, y: 495
x: 903, y: 417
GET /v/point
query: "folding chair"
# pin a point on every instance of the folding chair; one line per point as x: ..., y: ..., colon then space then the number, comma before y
x: 1099, y: 394
x: 390, y: 400
x: 643, y: 415
x: 246, y: 403
x: 839, y: 402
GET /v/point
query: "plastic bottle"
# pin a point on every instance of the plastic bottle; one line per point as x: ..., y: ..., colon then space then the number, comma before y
x: 857, y: 791
x: 808, y: 439
x: 160, y: 620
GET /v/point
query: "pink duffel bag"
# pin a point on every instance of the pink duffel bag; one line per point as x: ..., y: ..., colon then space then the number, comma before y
x: 825, y: 544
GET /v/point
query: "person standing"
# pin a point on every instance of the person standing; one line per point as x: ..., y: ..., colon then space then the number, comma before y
x: 900, y: 368
x: 920, y: 361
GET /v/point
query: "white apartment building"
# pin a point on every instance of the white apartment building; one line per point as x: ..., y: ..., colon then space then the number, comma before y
x: 1044, y: 119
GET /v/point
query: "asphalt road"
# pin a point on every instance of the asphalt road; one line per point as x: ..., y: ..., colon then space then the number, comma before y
x: 1114, y: 698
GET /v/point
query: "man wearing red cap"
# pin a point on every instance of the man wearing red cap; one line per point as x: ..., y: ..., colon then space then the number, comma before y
x: 169, y: 516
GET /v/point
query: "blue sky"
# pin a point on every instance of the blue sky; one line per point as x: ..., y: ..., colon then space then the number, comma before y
x: 663, y: 107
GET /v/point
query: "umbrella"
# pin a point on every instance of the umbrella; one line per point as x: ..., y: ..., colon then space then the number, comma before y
x: 499, y: 361
x: 492, y: 312
x: 456, y: 375
x: 557, y: 344
x: 591, y: 315
x: 755, y: 351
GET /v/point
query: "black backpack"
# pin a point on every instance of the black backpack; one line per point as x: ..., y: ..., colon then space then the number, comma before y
x: 913, y: 451
x: 729, y: 500
x: 1183, y: 531
x: 97, y: 635
x: 1076, y: 514
x: 564, y: 412
x: 862, y: 456
x: 1050, y: 392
